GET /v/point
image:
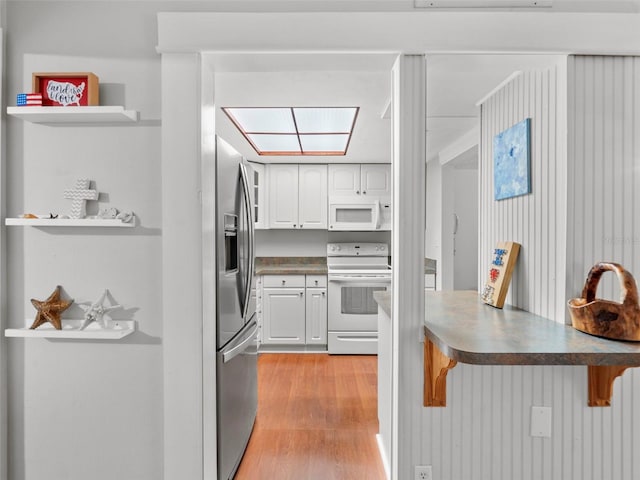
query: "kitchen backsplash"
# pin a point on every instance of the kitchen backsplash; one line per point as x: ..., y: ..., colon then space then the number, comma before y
x: 309, y: 243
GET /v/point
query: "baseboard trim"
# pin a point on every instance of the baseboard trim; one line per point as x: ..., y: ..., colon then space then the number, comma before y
x: 383, y: 456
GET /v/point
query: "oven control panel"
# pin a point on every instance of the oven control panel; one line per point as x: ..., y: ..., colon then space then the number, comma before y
x: 357, y: 250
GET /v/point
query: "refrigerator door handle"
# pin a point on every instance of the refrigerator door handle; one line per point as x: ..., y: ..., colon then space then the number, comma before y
x: 242, y: 346
x: 251, y: 229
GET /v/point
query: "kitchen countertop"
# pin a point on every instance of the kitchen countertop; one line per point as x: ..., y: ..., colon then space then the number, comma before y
x: 291, y: 265
x: 469, y: 331
x: 430, y: 266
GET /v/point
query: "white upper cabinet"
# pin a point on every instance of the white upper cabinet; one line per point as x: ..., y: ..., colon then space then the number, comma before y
x: 259, y: 195
x: 376, y: 180
x: 360, y: 180
x: 312, y: 196
x: 298, y: 196
x: 283, y: 196
x: 344, y: 180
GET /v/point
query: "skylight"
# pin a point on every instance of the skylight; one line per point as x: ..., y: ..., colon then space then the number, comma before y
x: 295, y: 130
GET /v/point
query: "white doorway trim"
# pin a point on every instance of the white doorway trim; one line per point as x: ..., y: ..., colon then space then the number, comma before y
x: 407, y: 244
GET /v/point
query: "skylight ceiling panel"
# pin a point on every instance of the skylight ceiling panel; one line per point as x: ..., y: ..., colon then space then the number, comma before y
x: 264, y: 120
x: 325, y: 120
x: 282, y: 144
x: 336, y: 143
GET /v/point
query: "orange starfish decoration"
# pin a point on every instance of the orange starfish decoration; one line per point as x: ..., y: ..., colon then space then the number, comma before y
x: 50, y: 310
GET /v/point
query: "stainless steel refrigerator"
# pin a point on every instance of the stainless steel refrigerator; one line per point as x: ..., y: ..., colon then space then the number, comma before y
x: 236, y: 379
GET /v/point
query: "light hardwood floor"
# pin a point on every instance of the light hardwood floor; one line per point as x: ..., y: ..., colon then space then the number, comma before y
x: 317, y: 419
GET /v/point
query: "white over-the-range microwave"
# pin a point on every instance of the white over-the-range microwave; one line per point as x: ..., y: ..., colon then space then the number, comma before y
x: 363, y: 215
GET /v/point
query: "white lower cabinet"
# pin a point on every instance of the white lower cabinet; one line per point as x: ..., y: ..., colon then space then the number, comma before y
x: 284, y: 315
x: 294, y: 310
x: 316, y: 316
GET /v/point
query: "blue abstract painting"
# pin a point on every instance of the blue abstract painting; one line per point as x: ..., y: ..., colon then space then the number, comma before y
x: 511, y: 161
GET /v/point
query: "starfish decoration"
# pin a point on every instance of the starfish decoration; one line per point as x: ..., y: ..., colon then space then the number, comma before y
x: 95, y: 312
x: 50, y: 309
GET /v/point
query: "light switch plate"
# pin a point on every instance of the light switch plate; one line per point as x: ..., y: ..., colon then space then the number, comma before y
x: 541, y: 422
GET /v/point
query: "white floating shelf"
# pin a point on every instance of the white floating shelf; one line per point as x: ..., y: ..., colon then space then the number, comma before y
x: 50, y: 115
x: 68, y: 222
x: 71, y: 329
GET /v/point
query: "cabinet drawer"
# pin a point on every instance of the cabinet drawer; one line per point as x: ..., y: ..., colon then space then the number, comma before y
x: 314, y: 281
x: 353, y: 343
x: 283, y: 281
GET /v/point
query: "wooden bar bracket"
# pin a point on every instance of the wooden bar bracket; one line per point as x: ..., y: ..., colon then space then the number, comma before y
x: 601, y: 383
x: 436, y: 367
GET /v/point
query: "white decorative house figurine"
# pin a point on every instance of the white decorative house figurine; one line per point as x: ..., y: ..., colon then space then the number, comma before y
x: 95, y: 312
x: 114, y: 213
x: 79, y: 196
x: 108, y: 213
x: 126, y: 217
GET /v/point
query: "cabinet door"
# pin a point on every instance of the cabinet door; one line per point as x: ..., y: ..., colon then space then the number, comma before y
x: 312, y: 196
x: 283, y: 196
x: 376, y: 180
x: 283, y: 316
x: 344, y: 180
x: 316, y: 316
x: 259, y: 195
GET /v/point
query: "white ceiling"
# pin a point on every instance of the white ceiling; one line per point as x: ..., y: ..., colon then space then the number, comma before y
x: 455, y: 83
x: 329, y: 80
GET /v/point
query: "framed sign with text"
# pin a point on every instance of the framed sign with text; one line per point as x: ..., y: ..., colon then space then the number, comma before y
x: 79, y: 89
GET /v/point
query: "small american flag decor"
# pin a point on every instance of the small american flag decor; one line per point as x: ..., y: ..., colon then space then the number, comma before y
x: 29, y: 99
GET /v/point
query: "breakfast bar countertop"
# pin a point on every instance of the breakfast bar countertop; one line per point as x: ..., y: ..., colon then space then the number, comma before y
x: 469, y: 331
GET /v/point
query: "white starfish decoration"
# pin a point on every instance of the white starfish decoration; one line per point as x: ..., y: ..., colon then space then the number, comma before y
x: 95, y: 312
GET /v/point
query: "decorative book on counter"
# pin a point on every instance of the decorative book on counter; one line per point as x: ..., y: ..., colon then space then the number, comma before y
x: 504, y: 260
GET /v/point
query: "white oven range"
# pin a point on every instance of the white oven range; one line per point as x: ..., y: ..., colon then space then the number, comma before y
x: 355, y: 272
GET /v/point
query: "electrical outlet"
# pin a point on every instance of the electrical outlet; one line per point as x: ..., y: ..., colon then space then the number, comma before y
x: 541, y: 422
x: 423, y: 472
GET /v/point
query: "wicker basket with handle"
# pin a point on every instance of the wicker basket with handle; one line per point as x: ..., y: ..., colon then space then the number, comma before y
x: 605, y: 318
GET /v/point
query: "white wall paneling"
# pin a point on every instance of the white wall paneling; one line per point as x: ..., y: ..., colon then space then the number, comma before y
x: 603, y: 220
x: 536, y: 221
x: 3, y: 310
x: 409, y: 155
x: 484, y: 432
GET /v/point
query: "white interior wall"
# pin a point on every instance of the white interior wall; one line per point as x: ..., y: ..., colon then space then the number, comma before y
x: 434, y: 206
x: 465, y: 260
x: 446, y: 238
x: 75, y: 406
x: 536, y: 221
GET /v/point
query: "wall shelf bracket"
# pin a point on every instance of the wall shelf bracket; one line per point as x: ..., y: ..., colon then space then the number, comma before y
x: 601, y: 379
x: 436, y: 367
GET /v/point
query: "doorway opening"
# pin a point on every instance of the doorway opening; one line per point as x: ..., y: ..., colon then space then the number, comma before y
x: 305, y: 400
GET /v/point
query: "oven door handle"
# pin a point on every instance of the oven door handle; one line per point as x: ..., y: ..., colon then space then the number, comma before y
x: 350, y: 279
